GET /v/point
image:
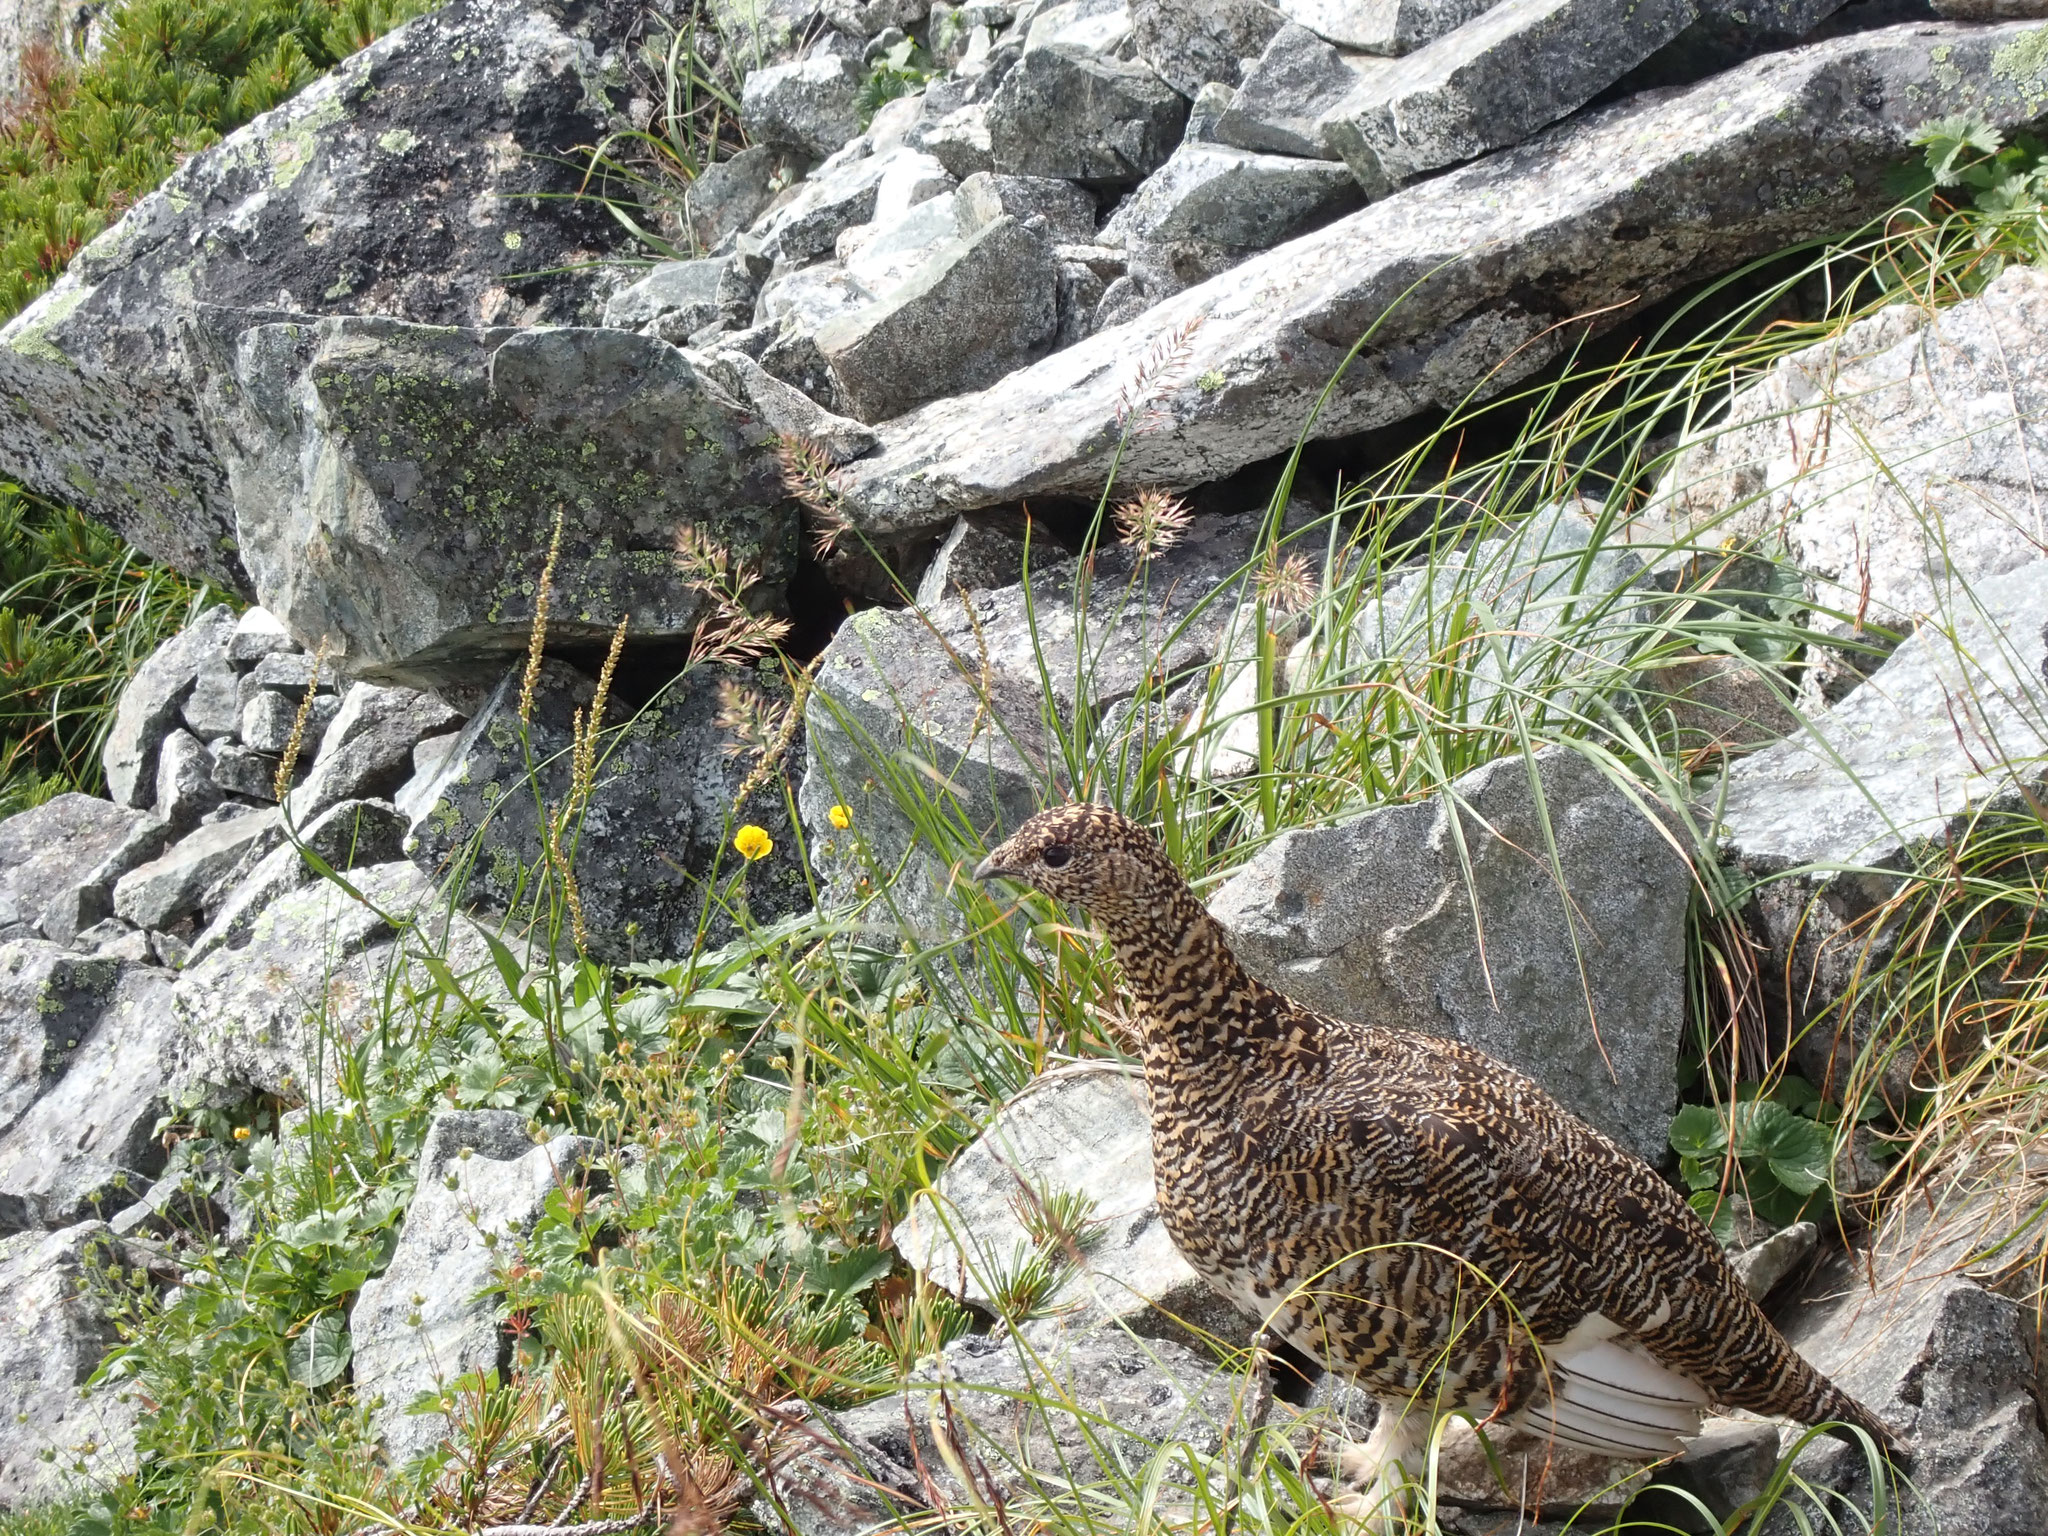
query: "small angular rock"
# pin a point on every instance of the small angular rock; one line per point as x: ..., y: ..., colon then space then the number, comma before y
x: 257, y: 633
x: 1192, y: 42
x: 185, y: 790
x: 807, y: 105
x: 674, y: 299
x: 1383, y: 26
x: 50, y: 855
x: 149, y: 706
x: 1065, y: 113
x: 178, y: 885
x: 213, y: 707
x: 267, y: 720
x: 975, y: 309
x: 732, y: 193
x: 241, y: 770
x: 366, y: 753
x: 1219, y: 195
x: 1297, y: 82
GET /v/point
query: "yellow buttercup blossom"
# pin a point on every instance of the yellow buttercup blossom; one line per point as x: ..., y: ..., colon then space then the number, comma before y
x: 840, y: 816
x: 241, y: 1133
x: 753, y: 842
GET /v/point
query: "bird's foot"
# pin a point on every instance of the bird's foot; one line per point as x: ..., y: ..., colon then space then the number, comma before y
x: 1375, y: 1491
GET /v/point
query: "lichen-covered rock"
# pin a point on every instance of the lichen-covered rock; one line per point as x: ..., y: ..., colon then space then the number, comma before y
x: 404, y: 510
x: 655, y: 842
x: 1571, y: 972
x: 366, y: 753
x: 1192, y: 42
x: 468, y: 119
x: 479, y: 1184
x: 1493, y: 81
x: 344, y: 836
x: 310, y: 972
x: 1078, y: 1131
x: 1468, y: 280
x: 54, y: 1437
x: 1062, y: 111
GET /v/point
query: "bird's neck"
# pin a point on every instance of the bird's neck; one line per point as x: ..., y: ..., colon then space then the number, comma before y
x: 1205, y: 1019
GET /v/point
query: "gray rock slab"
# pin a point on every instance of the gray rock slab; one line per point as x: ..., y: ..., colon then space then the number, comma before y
x: 241, y: 770
x: 674, y: 296
x: 960, y: 141
x: 1192, y: 42
x: 1297, y: 82
x: 660, y: 821
x: 1064, y: 112
x: 1946, y: 1363
x: 1572, y: 971
x: 430, y: 1317
x: 86, y: 1145
x: 179, y: 884
x: 896, y: 688
x: 1895, y: 465
x: 972, y: 311
x: 789, y: 411
x: 1729, y: 31
x: 1100, y: 26
x: 49, y: 853
x: 1036, y: 1415
x: 1231, y: 197
x: 309, y: 973
x: 185, y: 790
x: 1471, y: 278
x: 978, y: 552
x: 54, y: 1437
x: 346, y: 836
x: 50, y: 998
x: 1957, y: 716
x: 808, y: 105
x: 834, y: 198
x: 150, y: 703
x: 496, y: 431
x: 289, y: 672
x: 1080, y: 1131
x: 1493, y: 81
x: 464, y: 119
x: 1383, y: 26
x: 367, y: 752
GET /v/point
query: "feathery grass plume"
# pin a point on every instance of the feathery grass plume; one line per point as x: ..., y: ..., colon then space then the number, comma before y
x: 732, y: 632
x: 751, y: 720
x: 1152, y: 522
x: 537, y: 641
x: 1287, y: 584
x: 808, y: 479
x: 1137, y: 403
x: 281, y: 782
x: 787, y: 722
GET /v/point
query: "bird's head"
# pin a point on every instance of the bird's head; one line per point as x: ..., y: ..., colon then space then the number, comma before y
x: 1091, y: 856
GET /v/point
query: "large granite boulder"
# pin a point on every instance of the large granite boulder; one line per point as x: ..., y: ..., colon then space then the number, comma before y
x: 1468, y: 280
x: 91, y: 1046
x: 468, y: 119
x: 1569, y: 967
x: 397, y: 485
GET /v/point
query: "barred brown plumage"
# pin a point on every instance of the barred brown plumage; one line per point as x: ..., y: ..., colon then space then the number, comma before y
x: 1407, y: 1210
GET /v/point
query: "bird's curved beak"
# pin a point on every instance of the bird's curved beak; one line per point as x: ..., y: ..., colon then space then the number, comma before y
x: 990, y: 867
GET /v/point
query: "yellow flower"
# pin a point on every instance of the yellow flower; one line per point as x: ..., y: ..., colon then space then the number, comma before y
x: 840, y: 816
x: 753, y: 842
x: 241, y: 1133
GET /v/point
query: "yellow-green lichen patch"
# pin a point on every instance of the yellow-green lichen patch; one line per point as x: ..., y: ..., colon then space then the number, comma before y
x: 2022, y: 64
x: 32, y: 338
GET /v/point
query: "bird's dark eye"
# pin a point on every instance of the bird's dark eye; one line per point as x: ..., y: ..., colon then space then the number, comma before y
x: 1056, y: 856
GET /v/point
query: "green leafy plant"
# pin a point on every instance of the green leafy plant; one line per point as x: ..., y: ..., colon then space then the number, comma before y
x: 900, y: 70
x: 1764, y: 1148
x: 1976, y: 204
